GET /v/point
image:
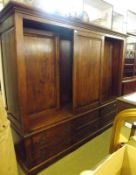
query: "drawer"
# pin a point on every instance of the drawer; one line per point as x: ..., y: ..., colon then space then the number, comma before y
x: 108, y: 118
x: 86, y: 125
x: 87, y: 129
x: 84, y: 119
x: 108, y: 108
x: 108, y: 113
x: 59, y: 138
x: 51, y: 142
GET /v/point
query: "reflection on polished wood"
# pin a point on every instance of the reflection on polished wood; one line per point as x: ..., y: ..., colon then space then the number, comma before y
x: 42, y: 73
x: 87, y: 47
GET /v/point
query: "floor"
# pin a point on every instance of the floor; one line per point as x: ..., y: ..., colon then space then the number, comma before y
x: 7, y: 154
x: 84, y: 158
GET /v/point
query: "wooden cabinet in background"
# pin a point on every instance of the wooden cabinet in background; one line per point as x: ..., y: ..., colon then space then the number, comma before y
x: 129, y: 86
x: 129, y: 75
x: 61, y: 80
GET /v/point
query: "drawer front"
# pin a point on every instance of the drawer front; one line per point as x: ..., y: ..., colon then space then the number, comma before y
x: 50, y: 142
x: 87, y: 130
x: 82, y: 120
x: 108, y: 114
x: 86, y: 125
x: 59, y: 138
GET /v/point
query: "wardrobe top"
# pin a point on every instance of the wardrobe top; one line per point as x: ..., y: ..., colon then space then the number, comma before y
x: 15, y: 7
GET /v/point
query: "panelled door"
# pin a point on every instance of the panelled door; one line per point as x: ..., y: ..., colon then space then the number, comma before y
x: 88, y: 52
x: 42, y: 70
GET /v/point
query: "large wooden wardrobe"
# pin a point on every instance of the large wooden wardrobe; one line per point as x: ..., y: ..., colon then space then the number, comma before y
x: 61, y: 78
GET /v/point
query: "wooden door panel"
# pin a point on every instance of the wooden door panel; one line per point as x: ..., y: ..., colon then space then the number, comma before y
x: 9, y: 64
x: 42, y: 72
x: 87, y: 60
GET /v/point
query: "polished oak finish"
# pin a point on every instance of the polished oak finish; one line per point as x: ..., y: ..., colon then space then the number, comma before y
x: 111, y: 68
x: 87, y: 60
x: 61, y: 77
x: 42, y: 71
x: 10, y: 73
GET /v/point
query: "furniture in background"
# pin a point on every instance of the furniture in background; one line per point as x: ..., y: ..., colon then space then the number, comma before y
x: 61, y: 77
x: 126, y: 101
x: 129, y: 76
x: 128, y: 85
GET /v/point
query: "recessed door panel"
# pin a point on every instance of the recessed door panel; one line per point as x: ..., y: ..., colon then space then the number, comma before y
x: 41, y: 58
x: 87, y: 62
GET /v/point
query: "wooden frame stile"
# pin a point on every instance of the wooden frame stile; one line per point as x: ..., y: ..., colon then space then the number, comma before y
x: 74, y: 70
x: 101, y: 70
x: 19, y: 41
x: 57, y: 71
